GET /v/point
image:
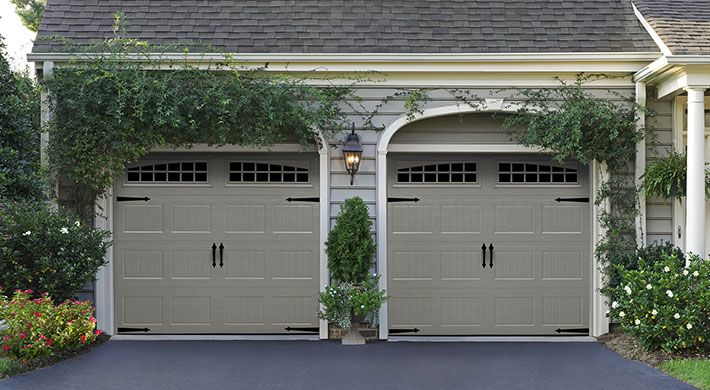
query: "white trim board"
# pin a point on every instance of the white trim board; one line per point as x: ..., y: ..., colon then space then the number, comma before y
x: 492, y: 339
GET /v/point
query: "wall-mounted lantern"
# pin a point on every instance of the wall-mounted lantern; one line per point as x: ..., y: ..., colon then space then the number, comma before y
x: 352, y: 152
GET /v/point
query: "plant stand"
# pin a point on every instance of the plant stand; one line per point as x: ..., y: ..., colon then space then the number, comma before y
x: 353, y: 336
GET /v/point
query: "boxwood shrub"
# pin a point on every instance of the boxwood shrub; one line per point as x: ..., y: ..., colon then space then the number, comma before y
x: 665, y: 304
x: 47, y: 251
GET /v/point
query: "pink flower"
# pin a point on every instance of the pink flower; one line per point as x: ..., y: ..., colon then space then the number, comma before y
x: 23, y: 336
x: 5, y: 348
x: 43, y: 337
x: 37, y: 314
x: 6, y: 338
x: 45, y: 294
x: 92, y: 319
x: 49, y: 343
x: 27, y: 346
x: 28, y: 291
x: 98, y: 332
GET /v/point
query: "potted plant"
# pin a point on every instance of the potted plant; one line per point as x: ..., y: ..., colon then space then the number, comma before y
x: 666, y: 177
x: 353, y: 293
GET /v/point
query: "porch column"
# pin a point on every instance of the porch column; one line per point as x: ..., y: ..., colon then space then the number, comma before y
x: 695, y: 190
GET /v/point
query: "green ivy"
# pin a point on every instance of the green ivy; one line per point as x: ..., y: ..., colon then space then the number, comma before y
x: 572, y: 122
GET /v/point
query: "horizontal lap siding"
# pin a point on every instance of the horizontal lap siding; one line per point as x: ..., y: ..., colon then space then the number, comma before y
x: 659, y: 141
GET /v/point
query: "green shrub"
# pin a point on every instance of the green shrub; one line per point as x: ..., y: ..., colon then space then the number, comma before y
x: 664, y: 304
x: 350, y: 246
x: 342, y: 300
x: 47, y: 251
x: 37, y: 328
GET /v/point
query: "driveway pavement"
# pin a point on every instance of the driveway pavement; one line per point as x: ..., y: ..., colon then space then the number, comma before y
x: 313, y: 365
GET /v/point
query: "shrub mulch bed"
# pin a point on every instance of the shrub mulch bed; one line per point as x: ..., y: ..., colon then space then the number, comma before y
x: 48, y: 361
x: 630, y: 348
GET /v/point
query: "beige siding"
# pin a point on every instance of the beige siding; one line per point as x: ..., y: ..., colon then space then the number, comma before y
x: 659, y: 141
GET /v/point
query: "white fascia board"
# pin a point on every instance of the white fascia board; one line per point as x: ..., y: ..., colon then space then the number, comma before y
x: 685, y: 77
x: 656, y: 38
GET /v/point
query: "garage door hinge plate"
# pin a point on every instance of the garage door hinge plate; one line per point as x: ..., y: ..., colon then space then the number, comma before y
x: 314, y: 199
x: 397, y: 331
x: 314, y: 329
x: 578, y: 200
x: 415, y: 200
x: 131, y: 199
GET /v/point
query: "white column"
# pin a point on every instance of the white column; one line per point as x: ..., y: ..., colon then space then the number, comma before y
x: 695, y: 191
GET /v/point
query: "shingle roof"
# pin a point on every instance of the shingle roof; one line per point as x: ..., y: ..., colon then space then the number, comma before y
x: 683, y: 25
x: 358, y: 26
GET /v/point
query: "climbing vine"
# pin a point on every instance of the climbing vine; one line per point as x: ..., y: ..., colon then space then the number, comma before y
x: 572, y: 122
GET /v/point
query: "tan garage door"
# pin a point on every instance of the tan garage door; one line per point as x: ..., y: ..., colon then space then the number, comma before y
x: 539, y: 281
x: 261, y: 276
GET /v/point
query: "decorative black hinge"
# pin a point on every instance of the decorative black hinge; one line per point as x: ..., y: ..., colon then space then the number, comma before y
x: 415, y: 200
x: 578, y: 200
x: 573, y: 330
x: 121, y: 330
x: 314, y: 329
x: 397, y: 331
x: 131, y: 199
x: 314, y: 199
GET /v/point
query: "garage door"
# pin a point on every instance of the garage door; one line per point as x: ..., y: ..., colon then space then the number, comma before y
x: 210, y: 244
x: 487, y: 249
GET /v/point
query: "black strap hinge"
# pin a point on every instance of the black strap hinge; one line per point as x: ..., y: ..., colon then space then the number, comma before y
x: 392, y: 200
x: 131, y: 199
x: 398, y: 331
x: 313, y: 200
x: 573, y: 330
x: 121, y: 330
x: 314, y: 329
x: 578, y: 200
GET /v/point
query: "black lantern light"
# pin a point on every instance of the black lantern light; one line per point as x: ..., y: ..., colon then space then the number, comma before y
x: 352, y: 152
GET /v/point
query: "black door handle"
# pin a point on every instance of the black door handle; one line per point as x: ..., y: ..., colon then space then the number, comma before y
x: 490, y: 261
x: 483, y: 252
x: 214, y: 255
x: 221, y: 255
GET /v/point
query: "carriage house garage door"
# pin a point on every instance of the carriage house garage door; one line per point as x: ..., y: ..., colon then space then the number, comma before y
x: 502, y: 207
x: 217, y: 248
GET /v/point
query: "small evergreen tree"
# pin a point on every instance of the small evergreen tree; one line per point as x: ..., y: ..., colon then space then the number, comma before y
x: 350, y: 247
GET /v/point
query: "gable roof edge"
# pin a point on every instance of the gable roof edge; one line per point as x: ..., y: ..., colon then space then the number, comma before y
x: 654, y: 35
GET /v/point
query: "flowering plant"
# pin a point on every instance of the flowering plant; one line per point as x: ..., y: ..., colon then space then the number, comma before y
x: 664, y: 304
x: 341, y: 301
x: 37, y: 328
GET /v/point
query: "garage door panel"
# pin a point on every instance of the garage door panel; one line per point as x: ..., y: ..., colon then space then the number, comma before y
x: 541, y: 254
x: 165, y: 278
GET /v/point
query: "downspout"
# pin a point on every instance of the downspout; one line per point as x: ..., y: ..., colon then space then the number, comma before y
x: 640, y: 166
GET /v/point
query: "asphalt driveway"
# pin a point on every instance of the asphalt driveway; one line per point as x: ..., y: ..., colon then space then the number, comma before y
x: 313, y: 365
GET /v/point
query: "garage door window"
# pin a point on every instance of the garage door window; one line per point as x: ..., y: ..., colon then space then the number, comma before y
x: 168, y: 173
x: 527, y: 173
x: 255, y: 172
x: 443, y: 173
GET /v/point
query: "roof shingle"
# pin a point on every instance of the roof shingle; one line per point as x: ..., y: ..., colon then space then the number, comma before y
x: 682, y: 25
x: 357, y: 26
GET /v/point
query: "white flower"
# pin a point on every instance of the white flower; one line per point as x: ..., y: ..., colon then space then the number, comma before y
x: 374, y: 274
x: 27, y: 233
x: 696, y: 273
x: 637, y: 321
x: 654, y: 312
x: 607, y: 313
x: 685, y: 272
x: 667, y: 269
x: 614, y: 305
x: 362, y: 306
x: 689, y: 326
x: 622, y: 314
x: 669, y: 293
x: 648, y: 286
x: 676, y: 316
x: 64, y: 230
x: 628, y: 290
x: 77, y: 223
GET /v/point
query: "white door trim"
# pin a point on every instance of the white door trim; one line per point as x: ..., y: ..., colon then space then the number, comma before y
x: 383, y: 146
x: 104, y: 219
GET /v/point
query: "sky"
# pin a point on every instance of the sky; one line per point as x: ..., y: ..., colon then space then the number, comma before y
x: 18, y: 39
